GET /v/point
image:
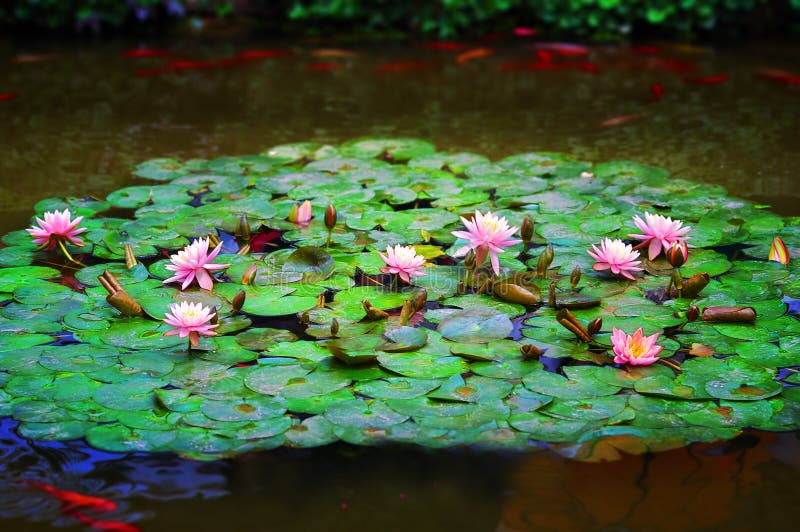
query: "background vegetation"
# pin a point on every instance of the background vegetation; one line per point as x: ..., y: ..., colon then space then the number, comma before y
x: 439, y: 18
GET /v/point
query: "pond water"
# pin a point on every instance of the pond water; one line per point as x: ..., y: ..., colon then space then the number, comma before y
x: 86, y: 113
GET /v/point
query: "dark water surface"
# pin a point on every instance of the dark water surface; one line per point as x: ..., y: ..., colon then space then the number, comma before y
x: 83, y: 117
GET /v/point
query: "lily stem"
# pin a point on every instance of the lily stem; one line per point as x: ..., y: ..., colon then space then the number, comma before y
x: 670, y: 364
x: 66, y: 253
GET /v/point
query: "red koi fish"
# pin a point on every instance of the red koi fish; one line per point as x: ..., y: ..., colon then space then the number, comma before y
x: 706, y: 80
x: 563, y: 48
x: 146, y: 52
x: 544, y: 56
x: 445, y: 46
x: 475, y: 53
x: 781, y: 76
x: 524, y: 32
x: 404, y: 66
x: 71, y: 500
x: 105, y: 526
x: 190, y: 65
x: 618, y: 120
x: 7, y: 96
x: 324, y: 66
x: 264, y: 54
x: 656, y: 92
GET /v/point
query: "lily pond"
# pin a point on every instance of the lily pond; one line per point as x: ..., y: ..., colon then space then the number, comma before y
x: 548, y: 366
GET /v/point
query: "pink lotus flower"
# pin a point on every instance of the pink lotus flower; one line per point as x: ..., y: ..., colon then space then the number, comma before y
x: 194, y: 261
x: 617, y: 256
x: 636, y: 349
x: 56, y: 226
x: 487, y: 234
x: 300, y: 215
x: 659, y: 232
x: 190, y: 319
x: 404, y: 261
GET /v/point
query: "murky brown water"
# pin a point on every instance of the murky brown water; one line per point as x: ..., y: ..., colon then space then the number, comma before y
x: 82, y: 118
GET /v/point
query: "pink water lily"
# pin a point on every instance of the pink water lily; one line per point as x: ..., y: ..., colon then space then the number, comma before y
x: 300, y: 214
x: 57, y: 227
x: 636, y: 349
x: 617, y: 256
x: 403, y: 261
x: 487, y: 234
x: 658, y: 232
x: 194, y: 262
x: 190, y: 319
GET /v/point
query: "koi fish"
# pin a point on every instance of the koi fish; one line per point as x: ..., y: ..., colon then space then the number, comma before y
x: 260, y: 241
x: 324, y: 66
x: 7, y: 96
x: 544, y: 56
x: 332, y: 52
x: 264, y: 54
x: 563, y: 48
x: 71, y: 500
x: 707, y: 80
x: 146, y: 52
x: 773, y: 74
x: 34, y: 58
x: 618, y: 120
x: 105, y: 526
x: 404, y: 66
x: 475, y: 53
x: 445, y: 46
x: 521, y: 31
x: 186, y: 65
x: 656, y: 92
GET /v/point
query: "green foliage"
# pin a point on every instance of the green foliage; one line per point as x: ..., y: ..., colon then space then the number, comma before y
x: 442, y: 18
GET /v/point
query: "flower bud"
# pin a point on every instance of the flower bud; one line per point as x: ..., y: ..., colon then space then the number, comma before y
x: 575, y: 277
x: 130, y: 258
x: 545, y: 260
x: 526, y: 230
x: 594, y: 326
x: 469, y: 260
x: 305, y: 318
x: 214, y: 319
x: 693, y: 313
x: 677, y: 254
x: 551, y: 295
x: 330, y: 217
x: 243, y: 229
x: 778, y: 252
x: 293, y: 213
x: 334, y: 327
x: 238, y: 301
x: 420, y: 300
x: 249, y: 275
x: 530, y: 351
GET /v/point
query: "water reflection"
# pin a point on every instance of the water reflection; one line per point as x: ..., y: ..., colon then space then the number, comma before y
x: 746, y: 483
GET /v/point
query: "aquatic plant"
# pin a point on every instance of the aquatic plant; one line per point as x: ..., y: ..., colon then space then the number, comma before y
x: 486, y: 234
x: 56, y: 228
x: 617, y: 256
x: 658, y: 232
x: 190, y: 319
x: 635, y: 349
x: 194, y: 262
x: 313, y: 346
x: 403, y: 261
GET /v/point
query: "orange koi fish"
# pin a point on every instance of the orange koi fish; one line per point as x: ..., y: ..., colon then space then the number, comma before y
x: 618, y: 120
x: 475, y: 53
x: 332, y: 52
